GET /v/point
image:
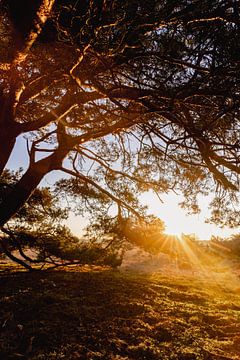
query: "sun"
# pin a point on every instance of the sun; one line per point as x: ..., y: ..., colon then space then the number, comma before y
x: 177, y: 234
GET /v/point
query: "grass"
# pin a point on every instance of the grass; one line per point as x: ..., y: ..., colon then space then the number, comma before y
x: 93, y: 313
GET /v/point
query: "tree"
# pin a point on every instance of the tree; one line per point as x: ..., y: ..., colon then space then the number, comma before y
x: 123, y: 97
x: 233, y: 244
x: 151, y: 237
x: 37, y: 227
x: 148, y: 234
x: 226, y: 247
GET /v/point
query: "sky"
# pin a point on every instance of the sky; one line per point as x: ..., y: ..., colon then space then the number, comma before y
x: 175, y: 218
x: 178, y: 222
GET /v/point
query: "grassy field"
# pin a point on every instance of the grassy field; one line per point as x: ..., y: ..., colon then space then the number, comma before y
x: 93, y: 313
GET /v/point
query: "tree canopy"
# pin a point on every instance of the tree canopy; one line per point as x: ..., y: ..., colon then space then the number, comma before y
x: 122, y: 97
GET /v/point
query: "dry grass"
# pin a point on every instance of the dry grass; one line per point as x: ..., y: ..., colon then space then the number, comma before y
x: 93, y: 313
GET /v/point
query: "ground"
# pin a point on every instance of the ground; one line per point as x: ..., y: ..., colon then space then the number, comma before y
x: 97, y: 313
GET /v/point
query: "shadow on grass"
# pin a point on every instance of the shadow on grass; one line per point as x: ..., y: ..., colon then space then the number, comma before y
x: 110, y: 315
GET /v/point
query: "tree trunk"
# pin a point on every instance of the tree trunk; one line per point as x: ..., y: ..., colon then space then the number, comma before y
x: 9, y: 131
x: 6, y: 148
x: 24, y: 188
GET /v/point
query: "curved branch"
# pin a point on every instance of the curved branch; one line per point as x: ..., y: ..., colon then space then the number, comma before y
x: 102, y: 190
x: 219, y: 176
x: 224, y: 162
x: 67, y: 104
x: 117, y: 172
x: 42, y: 16
x: 17, y: 244
x: 12, y: 257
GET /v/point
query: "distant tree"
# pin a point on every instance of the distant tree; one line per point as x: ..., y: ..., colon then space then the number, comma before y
x: 123, y: 96
x: 227, y: 247
x: 234, y: 244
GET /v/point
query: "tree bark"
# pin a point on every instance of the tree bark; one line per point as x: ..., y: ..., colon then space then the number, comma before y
x: 29, y: 182
x: 6, y: 148
x: 24, y: 188
x: 9, y: 130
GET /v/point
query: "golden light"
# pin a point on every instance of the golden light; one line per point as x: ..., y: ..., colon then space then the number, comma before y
x: 176, y: 220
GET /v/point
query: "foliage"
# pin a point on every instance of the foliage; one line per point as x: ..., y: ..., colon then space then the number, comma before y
x: 126, y: 233
x: 42, y: 208
x: 147, y: 234
x: 37, y: 227
x: 234, y: 244
x: 158, y: 110
x: 228, y: 247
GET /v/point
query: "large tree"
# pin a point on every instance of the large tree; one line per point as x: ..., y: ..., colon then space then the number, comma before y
x: 123, y: 96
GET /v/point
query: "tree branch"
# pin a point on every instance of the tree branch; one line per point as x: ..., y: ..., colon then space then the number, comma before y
x: 102, y: 190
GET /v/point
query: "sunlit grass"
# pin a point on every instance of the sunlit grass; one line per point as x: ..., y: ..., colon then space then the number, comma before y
x: 206, y: 265
x: 188, y: 313
x: 95, y: 314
